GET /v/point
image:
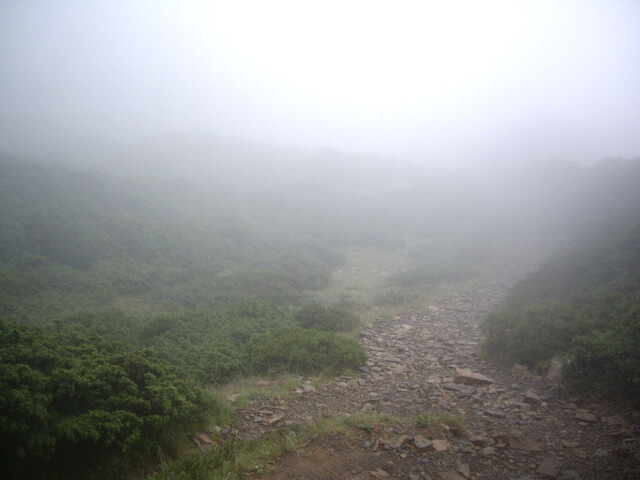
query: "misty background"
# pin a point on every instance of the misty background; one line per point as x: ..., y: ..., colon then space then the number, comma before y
x: 439, y: 83
x: 194, y: 194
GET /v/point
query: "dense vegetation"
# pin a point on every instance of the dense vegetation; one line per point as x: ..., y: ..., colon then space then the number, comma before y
x: 138, y: 292
x: 71, y: 404
x: 332, y: 319
x: 124, y: 295
x: 303, y: 351
x: 582, y: 305
x: 72, y: 240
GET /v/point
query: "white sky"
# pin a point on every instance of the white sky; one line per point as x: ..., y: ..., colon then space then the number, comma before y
x: 439, y: 81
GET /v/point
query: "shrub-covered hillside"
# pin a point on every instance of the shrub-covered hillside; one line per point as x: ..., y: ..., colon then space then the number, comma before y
x: 582, y: 305
x: 121, y: 298
x: 73, y: 240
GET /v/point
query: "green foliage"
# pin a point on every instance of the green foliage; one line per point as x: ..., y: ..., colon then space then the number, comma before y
x: 446, y: 261
x: 534, y: 334
x: 209, y: 346
x: 370, y: 422
x: 74, y: 405
x: 439, y: 420
x: 109, y: 324
x: 302, y: 351
x: 219, y: 463
x: 161, y: 282
x: 608, y: 363
x: 331, y: 319
x: 73, y: 241
x: 583, y: 305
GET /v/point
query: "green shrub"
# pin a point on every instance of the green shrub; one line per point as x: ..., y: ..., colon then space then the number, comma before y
x: 607, y: 363
x: 76, y: 406
x: 534, y: 334
x: 209, y: 346
x: 331, y: 319
x: 393, y: 298
x: 303, y: 351
x: 583, y: 305
x: 217, y: 464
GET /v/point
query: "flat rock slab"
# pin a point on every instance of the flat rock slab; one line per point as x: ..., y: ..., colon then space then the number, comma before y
x: 422, y: 443
x: 586, y: 417
x: 532, y: 398
x: 467, y: 377
x: 440, y: 445
x: 555, y: 370
x: 450, y: 475
x: 516, y: 443
x: 464, y: 470
x: 550, y: 467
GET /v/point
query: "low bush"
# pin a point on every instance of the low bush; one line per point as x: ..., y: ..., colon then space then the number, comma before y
x: 606, y: 363
x: 76, y: 406
x: 209, y: 346
x: 583, y: 305
x: 331, y: 319
x: 303, y: 351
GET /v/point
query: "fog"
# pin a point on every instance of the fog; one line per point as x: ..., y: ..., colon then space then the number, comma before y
x: 442, y: 83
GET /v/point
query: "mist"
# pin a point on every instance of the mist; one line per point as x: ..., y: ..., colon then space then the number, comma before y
x: 230, y: 230
x: 448, y: 84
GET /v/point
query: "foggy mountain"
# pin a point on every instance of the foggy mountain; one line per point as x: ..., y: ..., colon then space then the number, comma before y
x: 199, y: 196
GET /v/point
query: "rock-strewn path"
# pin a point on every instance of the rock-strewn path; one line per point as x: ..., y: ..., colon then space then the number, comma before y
x: 518, y: 426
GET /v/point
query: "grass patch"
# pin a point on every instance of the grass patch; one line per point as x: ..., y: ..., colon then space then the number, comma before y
x: 280, y: 386
x: 256, y: 455
x: 367, y: 284
x: 443, y: 420
x: 234, y: 458
x: 216, y: 464
x: 369, y: 421
x: 303, y: 351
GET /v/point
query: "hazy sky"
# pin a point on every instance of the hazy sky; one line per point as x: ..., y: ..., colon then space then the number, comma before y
x: 443, y: 81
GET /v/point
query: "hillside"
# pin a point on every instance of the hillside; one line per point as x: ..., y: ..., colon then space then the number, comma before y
x: 583, y: 306
x: 72, y: 240
x: 147, y: 282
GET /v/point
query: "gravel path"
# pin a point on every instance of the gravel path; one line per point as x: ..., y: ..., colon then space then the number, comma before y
x: 517, y: 425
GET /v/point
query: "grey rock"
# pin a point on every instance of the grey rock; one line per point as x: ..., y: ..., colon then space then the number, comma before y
x: 467, y: 377
x: 569, y: 475
x: 586, y: 417
x: 532, y: 398
x: 422, y: 443
x: 555, y: 370
x: 486, y: 451
x: 450, y: 475
x: 550, y: 467
x: 495, y: 413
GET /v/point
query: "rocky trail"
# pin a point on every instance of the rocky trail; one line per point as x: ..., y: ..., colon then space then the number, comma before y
x: 516, y: 425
